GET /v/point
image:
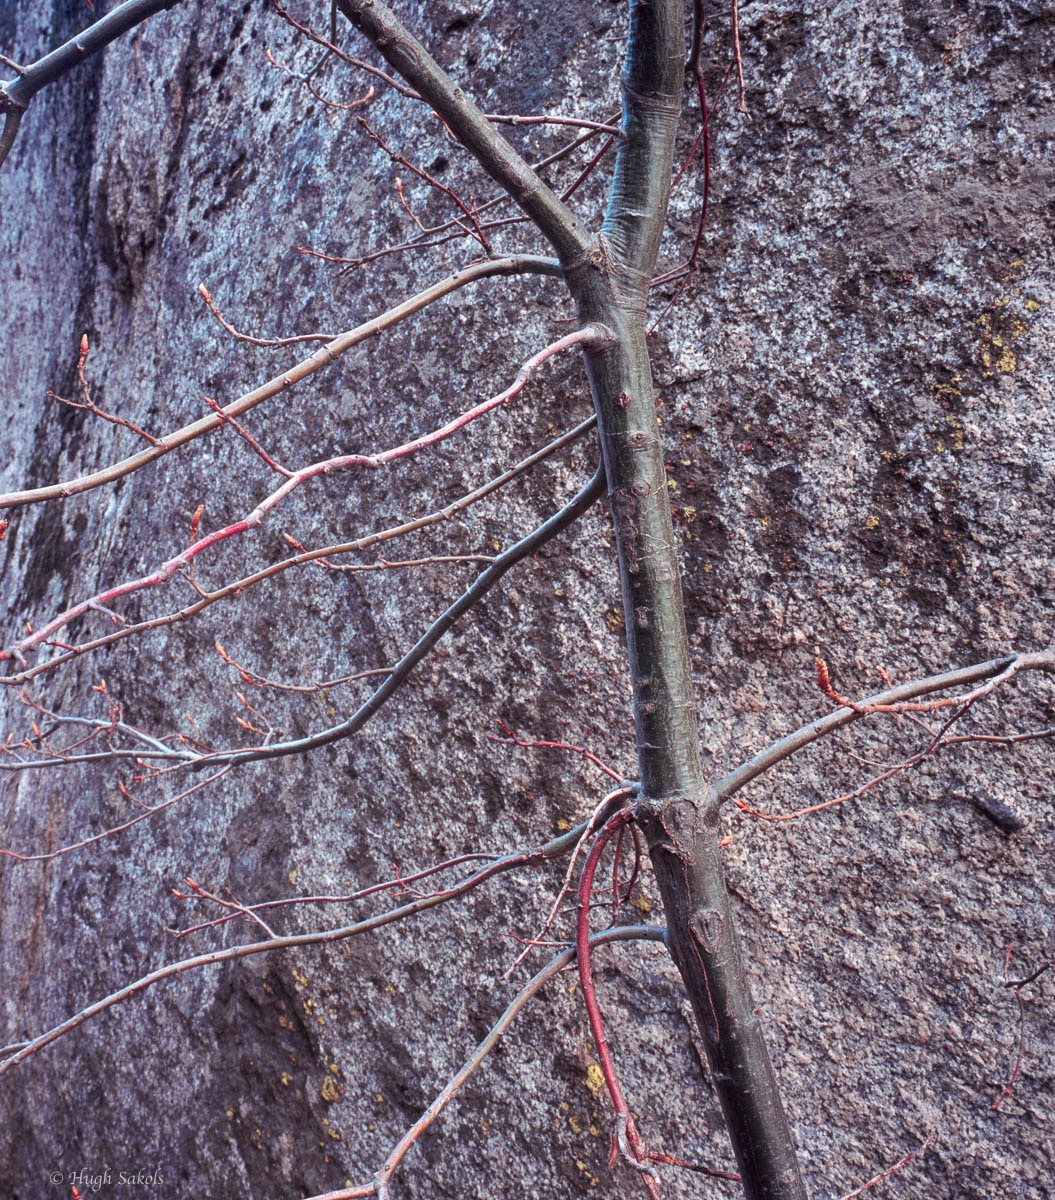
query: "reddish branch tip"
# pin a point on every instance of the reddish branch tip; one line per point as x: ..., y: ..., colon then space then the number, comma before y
x: 195, y: 522
x: 825, y: 684
x: 823, y: 679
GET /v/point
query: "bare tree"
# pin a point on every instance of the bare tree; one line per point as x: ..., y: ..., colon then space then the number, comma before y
x: 618, y: 292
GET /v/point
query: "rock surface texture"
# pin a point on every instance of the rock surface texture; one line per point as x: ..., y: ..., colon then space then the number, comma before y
x: 857, y: 407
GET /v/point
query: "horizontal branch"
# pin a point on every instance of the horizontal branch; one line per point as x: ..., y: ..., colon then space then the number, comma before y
x: 588, y: 337
x: 552, y: 849
x: 296, y: 560
x: 996, y: 671
x: 323, y: 357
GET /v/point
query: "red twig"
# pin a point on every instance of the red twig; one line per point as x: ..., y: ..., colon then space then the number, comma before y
x: 253, y: 679
x: 360, y: 102
x: 901, y: 1162
x: 511, y: 739
x: 1019, y: 1049
x: 912, y: 706
x: 116, y: 829
x: 599, y: 815
x: 1016, y: 985
x: 352, y: 263
x: 691, y: 265
x: 450, y: 193
x: 588, y: 169
x: 617, y: 862
x: 246, y: 436
x: 89, y: 405
x: 627, y: 1136
x: 350, y: 59
x: 713, y: 1172
x: 266, y: 343
x: 362, y: 260
x: 305, y: 557
x: 398, y: 885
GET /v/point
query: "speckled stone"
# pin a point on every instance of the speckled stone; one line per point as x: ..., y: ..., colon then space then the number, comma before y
x: 856, y: 399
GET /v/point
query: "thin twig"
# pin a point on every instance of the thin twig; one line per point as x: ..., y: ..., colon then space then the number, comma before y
x: 266, y: 343
x: 470, y: 215
x: 901, y: 1162
x: 306, y: 557
x: 89, y: 405
x: 379, y: 1184
x: 527, y: 546
x: 323, y: 357
x: 511, y: 739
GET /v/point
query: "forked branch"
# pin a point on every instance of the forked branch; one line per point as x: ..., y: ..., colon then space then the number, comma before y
x: 323, y: 357
x: 16, y: 94
x: 995, y: 671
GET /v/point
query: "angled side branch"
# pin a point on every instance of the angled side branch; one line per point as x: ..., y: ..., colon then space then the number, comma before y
x: 995, y: 671
x: 16, y: 94
x: 12, y: 1055
x: 406, y: 55
x: 323, y: 357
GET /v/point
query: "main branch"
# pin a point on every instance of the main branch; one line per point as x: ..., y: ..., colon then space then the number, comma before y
x: 470, y: 125
x: 676, y: 807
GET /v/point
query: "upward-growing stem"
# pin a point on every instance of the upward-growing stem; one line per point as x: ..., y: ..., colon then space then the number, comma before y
x: 609, y: 277
x: 677, y: 809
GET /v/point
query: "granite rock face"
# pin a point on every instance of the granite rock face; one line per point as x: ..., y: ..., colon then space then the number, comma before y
x: 856, y: 396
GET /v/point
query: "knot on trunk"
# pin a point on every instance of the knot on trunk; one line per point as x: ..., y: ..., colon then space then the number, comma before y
x: 675, y: 823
